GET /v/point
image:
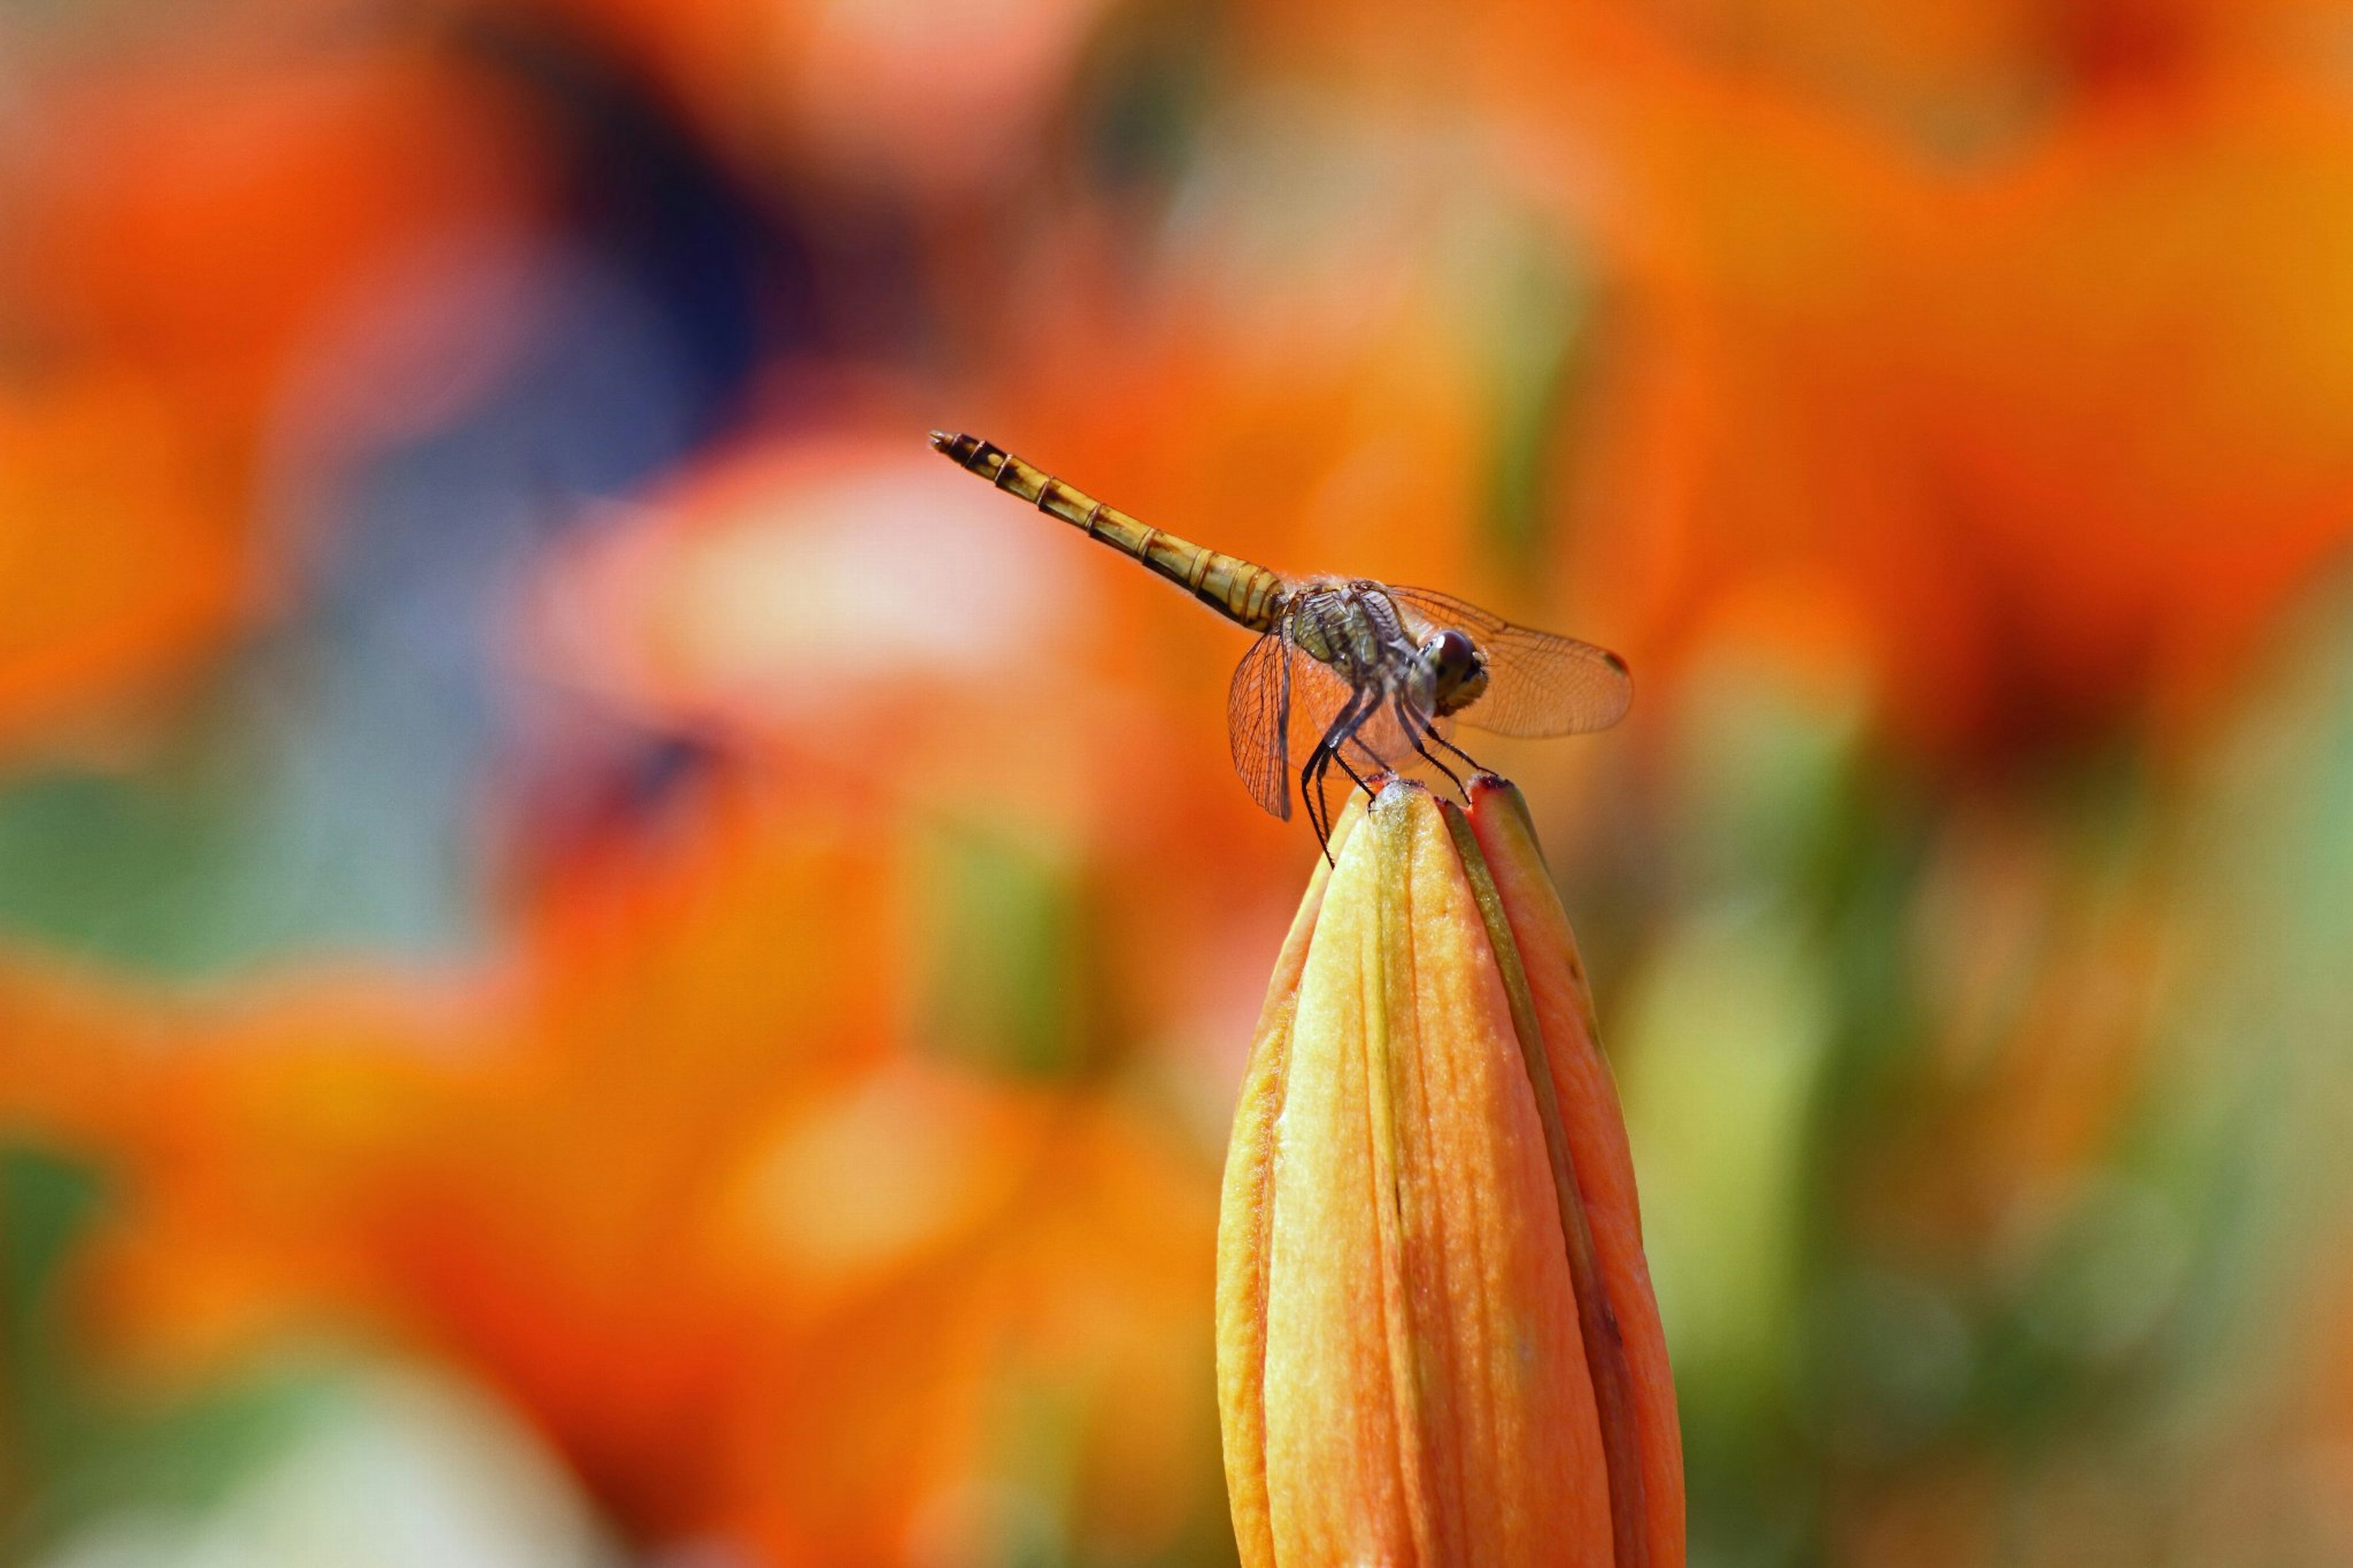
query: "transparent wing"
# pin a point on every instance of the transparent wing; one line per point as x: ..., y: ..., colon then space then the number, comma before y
x: 1258, y: 722
x: 1538, y: 684
x: 1317, y: 694
x: 1280, y: 705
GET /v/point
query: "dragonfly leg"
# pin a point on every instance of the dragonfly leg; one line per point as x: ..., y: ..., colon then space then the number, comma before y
x: 1311, y: 785
x: 1311, y: 796
x: 1430, y: 730
x: 1311, y: 791
x: 1340, y: 732
x: 1343, y: 734
x: 1356, y: 777
x: 1415, y: 726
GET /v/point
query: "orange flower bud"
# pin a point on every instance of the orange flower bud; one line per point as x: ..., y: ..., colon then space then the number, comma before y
x: 1436, y: 1343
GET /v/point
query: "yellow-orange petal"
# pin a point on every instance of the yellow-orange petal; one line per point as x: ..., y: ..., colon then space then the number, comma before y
x: 1594, y: 1130
x: 1245, y: 1211
x: 1421, y: 1395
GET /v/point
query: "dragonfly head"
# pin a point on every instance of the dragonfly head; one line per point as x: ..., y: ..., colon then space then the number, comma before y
x: 1455, y: 669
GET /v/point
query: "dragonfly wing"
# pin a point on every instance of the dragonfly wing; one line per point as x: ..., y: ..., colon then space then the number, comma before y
x: 1318, y: 693
x: 1278, y: 710
x: 1538, y: 684
x: 1258, y: 722
x: 1318, y: 696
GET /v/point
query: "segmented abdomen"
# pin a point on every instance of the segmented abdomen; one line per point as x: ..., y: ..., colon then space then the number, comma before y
x: 1234, y: 587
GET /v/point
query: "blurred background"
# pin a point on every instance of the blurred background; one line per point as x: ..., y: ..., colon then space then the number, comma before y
x: 605, y: 961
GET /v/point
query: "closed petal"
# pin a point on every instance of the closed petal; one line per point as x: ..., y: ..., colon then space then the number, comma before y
x: 1595, y: 1133
x: 1426, y: 1398
x: 1245, y: 1213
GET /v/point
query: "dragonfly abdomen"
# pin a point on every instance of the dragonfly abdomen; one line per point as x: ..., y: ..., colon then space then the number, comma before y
x: 1235, y: 588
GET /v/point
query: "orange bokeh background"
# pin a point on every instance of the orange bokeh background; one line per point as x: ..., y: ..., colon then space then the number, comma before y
x: 602, y: 959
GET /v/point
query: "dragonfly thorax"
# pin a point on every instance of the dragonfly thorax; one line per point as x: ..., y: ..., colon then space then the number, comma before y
x: 1358, y: 630
x: 1354, y: 627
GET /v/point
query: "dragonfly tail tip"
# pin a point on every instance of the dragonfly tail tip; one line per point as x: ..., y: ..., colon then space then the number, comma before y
x: 942, y: 440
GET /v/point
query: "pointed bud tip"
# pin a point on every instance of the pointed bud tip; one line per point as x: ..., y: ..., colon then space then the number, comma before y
x: 1394, y: 798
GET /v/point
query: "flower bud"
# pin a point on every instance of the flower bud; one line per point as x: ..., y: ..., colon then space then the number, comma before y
x: 1436, y: 1343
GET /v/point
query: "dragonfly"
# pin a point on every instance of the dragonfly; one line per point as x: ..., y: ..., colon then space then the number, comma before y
x: 1346, y: 672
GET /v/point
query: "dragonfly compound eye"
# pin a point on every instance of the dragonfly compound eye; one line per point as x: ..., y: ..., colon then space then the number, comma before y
x: 1457, y: 674
x: 1452, y: 658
